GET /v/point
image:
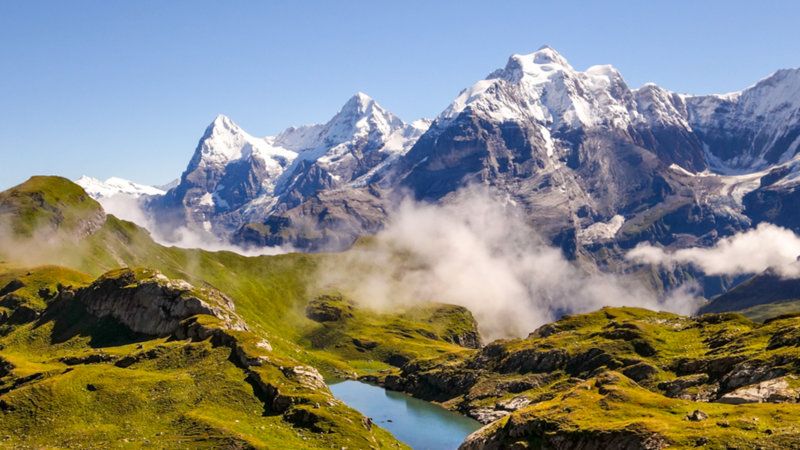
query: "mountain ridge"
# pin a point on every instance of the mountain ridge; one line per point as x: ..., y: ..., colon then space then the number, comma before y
x: 575, y: 149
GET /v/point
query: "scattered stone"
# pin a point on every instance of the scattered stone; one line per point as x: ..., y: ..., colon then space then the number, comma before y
x: 640, y: 371
x: 513, y: 404
x: 364, y: 344
x: 367, y: 422
x: 487, y: 415
x: 307, y: 376
x: 697, y: 416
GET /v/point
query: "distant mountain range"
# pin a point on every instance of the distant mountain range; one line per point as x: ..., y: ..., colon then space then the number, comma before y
x: 597, y: 166
x: 114, y: 186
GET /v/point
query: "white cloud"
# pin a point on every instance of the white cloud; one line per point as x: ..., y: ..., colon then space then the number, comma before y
x: 752, y: 251
x: 477, y: 251
x: 129, y: 208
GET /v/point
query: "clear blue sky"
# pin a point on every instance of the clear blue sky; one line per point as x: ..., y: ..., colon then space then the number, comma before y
x: 127, y: 88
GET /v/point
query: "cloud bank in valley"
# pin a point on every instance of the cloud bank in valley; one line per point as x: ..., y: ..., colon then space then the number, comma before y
x: 129, y: 208
x: 477, y: 251
x: 753, y: 251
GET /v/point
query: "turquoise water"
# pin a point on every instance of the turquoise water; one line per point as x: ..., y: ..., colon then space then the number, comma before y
x: 421, y: 425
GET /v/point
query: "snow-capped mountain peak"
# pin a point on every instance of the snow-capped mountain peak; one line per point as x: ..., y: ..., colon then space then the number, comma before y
x: 358, y: 103
x: 224, y: 141
x: 766, y: 114
x: 577, y: 146
x: 360, y: 117
x: 543, y: 87
x: 98, y: 189
x: 660, y: 107
x: 223, y: 121
x: 536, y: 64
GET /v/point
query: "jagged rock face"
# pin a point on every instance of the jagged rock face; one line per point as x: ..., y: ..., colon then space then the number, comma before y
x: 356, y: 140
x: 471, y: 149
x: 574, y: 148
x: 326, y: 221
x: 229, y: 169
x: 752, y: 128
x: 595, y: 165
x: 235, y: 179
x: 665, y: 129
x: 543, y: 431
x: 147, y: 302
x: 775, y: 205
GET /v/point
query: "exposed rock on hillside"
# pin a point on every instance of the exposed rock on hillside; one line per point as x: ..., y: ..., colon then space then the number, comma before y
x: 148, y: 302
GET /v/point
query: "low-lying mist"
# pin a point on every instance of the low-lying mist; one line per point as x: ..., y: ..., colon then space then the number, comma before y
x: 129, y: 208
x: 752, y: 251
x: 476, y: 251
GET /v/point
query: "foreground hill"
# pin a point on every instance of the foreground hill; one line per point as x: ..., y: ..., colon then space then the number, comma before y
x: 221, y: 348
x: 626, y: 378
x: 139, y: 359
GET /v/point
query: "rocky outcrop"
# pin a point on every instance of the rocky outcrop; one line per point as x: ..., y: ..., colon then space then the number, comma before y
x: 549, y: 435
x: 690, y: 387
x: 468, y: 339
x: 5, y: 367
x: 329, y: 308
x: 148, y: 302
x: 776, y: 390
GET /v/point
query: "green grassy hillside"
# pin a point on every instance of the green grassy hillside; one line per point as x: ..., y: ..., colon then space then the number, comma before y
x: 69, y: 378
x: 628, y: 375
x: 763, y: 296
x: 194, y: 388
x: 44, y: 205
